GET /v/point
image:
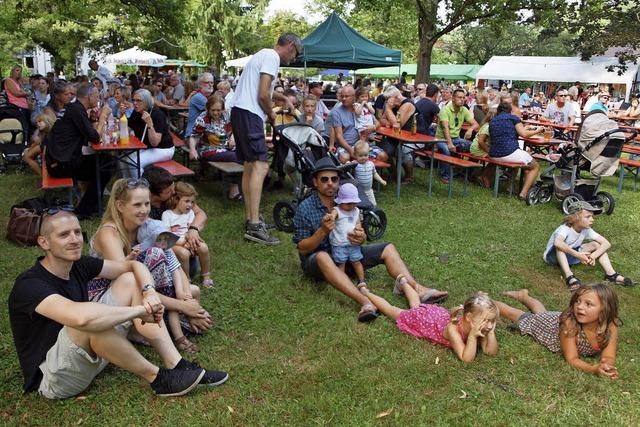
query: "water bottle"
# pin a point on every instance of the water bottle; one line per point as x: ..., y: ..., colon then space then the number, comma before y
x: 124, y: 130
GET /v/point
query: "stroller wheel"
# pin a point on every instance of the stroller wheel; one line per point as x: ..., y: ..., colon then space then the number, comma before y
x: 544, y: 195
x: 606, y: 202
x: 374, y: 224
x: 570, y: 200
x: 283, y: 213
x: 533, y: 196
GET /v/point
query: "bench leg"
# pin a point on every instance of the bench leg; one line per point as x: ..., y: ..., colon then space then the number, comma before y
x: 466, y: 181
x: 620, y: 178
x: 496, y: 182
x: 430, y: 176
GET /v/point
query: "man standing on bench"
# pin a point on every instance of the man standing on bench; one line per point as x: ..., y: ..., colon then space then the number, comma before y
x: 450, y: 120
x: 251, y: 107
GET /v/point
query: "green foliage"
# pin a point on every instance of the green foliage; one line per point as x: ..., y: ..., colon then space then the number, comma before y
x: 215, y: 27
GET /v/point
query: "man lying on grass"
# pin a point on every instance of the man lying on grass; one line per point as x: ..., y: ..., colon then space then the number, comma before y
x: 63, y: 341
x: 313, y: 224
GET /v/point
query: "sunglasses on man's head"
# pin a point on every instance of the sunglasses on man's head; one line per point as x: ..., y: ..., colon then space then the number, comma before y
x: 53, y: 211
x: 325, y: 179
x: 137, y: 182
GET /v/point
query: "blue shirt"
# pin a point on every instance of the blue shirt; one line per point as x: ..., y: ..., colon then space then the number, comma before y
x: 308, y: 220
x: 524, y: 99
x: 345, y: 119
x: 599, y: 106
x: 196, y: 106
x: 503, y: 134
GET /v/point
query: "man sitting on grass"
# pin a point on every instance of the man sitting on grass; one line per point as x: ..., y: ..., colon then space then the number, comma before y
x: 63, y: 341
x: 313, y: 224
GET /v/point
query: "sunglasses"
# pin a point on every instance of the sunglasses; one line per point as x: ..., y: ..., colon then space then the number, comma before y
x: 325, y: 179
x: 137, y: 182
x: 53, y: 211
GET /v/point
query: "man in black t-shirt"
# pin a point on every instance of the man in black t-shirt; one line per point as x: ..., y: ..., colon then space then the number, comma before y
x: 428, y: 107
x: 63, y: 341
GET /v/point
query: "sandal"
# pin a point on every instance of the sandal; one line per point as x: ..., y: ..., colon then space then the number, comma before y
x: 573, y: 283
x: 183, y: 344
x: 397, y: 287
x: 208, y: 283
x: 367, y: 313
x: 613, y: 278
x: 429, y: 298
x: 362, y: 287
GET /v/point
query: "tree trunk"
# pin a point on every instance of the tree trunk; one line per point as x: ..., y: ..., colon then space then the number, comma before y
x: 423, y: 74
x: 427, y: 19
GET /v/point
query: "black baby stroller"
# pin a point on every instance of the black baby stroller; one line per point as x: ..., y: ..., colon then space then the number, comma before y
x: 12, y: 141
x: 577, y: 173
x: 306, y: 146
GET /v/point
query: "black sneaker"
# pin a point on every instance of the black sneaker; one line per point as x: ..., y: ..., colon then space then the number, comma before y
x: 176, y: 382
x: 210, y: 378
x: 267, y: 226
x: 259, y: 234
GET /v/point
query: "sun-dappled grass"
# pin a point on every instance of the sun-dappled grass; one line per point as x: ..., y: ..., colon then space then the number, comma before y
x: 297, y: 355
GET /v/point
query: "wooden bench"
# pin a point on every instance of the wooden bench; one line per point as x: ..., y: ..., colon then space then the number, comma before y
x: 175, y: 168
x: 51, y: 183
x: 498, y: 164
x: 632, y: 166
x: 228, y: 172
x: 453, y: 161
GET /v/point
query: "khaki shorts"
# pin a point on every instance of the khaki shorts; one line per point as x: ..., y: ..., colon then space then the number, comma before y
x: 68, y: 369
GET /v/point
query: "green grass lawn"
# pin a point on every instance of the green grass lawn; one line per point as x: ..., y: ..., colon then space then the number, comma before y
x: 297, y: 355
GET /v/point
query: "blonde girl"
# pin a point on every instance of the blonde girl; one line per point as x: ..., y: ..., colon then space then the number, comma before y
x: 463, y: 329
x: 44, y: 123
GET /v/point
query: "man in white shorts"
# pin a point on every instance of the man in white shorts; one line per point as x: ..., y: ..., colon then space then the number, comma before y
x: 63, y: 341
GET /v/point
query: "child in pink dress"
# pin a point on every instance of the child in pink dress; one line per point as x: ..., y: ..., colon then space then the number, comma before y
x: 462, y: 329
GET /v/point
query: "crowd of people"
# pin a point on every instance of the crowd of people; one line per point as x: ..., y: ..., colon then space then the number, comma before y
x: 71, y: 314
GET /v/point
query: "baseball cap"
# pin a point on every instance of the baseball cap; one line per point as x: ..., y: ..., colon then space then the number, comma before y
x: 581, y: 205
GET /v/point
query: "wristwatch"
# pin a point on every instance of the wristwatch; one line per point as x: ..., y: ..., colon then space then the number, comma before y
x: 147, y: 287
x: 193, y: 227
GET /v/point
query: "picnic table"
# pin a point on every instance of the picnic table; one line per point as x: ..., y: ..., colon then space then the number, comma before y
x: 404, y: 137
x: 108, y: 155
x: 175, y: 116
x: 540, y: 145
x: 552, y: 124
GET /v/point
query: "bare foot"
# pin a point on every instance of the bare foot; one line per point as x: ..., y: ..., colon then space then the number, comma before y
x: 520, y: 295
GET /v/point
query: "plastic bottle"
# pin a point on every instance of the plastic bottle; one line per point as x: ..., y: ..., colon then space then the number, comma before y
x: 124, y: 130
x: 414, y: 124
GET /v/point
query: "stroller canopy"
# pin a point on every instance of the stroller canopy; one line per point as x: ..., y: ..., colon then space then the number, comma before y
x: 604, y: 162
x: 302, y: 135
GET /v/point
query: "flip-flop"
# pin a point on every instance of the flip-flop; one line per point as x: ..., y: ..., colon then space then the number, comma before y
x: 429, y: 298
x: 367, y: 313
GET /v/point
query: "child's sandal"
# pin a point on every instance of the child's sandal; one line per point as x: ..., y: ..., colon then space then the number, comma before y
x: 208, y: 283
x: 183, y: 344
x: 613, y: 278
x: 573, y: 283
x: 362, y: 287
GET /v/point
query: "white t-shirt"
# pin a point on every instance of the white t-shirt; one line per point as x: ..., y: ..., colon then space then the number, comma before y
x: 560, y: 115
x: 247, y: 91
x: 365, y: 119
x: 178, y: 223
x: 104, y: 75
x: 571, y: 237
x: 345, y: 224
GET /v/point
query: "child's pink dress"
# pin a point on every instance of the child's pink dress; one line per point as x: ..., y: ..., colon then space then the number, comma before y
x: 427, y: 321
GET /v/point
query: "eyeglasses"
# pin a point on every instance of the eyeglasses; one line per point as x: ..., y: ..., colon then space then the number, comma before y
x: 52, y: 211
x: 325, y: 179
x: 137, y: 182
x: 562, y: 95
x: 604, y: 97
x: 137, y: 100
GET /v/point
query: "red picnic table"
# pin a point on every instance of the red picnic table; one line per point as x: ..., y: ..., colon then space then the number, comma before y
x: 114, y: 153
x: 539, y: 144
x: 404, y: 137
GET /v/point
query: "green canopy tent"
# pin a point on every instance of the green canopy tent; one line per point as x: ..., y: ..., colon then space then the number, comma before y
x: 335, y: 44
x: 438, y: 71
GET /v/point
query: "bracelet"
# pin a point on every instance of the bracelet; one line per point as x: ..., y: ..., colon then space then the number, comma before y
x: 147, y: 287
x: 193, y: 227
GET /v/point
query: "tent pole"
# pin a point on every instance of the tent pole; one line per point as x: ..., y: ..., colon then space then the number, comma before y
x: 400, y: 69
x: 305, y: 70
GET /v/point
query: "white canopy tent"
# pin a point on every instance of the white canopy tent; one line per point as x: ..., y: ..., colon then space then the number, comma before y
x: 136, y: 56
x: 239, y: 62
x: 557, y: 69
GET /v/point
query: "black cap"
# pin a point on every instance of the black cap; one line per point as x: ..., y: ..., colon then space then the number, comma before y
x: 325, y: 164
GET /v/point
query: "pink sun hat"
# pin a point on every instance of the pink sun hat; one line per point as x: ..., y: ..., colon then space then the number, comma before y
x: 348, y: 193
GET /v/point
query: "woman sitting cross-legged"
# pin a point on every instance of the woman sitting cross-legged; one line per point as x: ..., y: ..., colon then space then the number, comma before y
x: 127, y: 210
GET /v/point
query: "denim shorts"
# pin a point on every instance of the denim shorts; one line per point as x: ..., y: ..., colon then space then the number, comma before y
x: 372, y: 256
x: 552, y: 259
x: 342, y: 254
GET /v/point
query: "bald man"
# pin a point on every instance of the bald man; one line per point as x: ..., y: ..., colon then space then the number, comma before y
x: 63, y: 340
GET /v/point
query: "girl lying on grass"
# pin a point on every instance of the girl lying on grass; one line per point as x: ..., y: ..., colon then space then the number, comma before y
x: 462, y: 330
x: 589, y: 326
x: 565, y: 246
